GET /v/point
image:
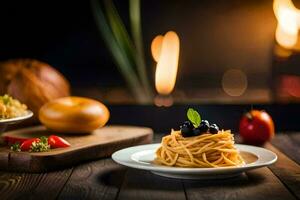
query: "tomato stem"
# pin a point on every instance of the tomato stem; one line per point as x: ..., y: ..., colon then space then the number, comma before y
x: 249, y: 116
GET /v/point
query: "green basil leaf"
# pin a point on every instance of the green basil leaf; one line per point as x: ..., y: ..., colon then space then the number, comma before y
x: 194, y: 117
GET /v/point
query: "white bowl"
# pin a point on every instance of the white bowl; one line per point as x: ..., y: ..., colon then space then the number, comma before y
x: 5, y: 122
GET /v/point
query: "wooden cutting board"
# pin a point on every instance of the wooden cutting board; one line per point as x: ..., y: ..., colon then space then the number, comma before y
x: 101, y: 143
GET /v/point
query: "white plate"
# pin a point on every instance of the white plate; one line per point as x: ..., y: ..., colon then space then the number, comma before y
x: 5, y: 122
x: 142, y: 157
x: 16, y: 119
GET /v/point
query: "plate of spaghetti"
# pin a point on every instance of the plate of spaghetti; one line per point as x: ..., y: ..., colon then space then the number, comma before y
x: 197, y: 151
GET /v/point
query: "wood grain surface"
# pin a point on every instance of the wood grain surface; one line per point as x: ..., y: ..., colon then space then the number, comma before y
x: 287, y: 171
x: 101, y: 143
x: 95, y: 180
x: 104, y: 179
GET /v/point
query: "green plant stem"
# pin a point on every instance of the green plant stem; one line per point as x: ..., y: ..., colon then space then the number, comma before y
x: 136, y: 30
x: 119, y: 31
x: 118, y: 53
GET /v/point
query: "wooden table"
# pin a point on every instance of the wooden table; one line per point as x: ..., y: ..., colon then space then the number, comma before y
x: 104, y: 179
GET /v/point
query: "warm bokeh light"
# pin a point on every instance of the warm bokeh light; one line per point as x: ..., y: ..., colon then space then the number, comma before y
x: 156, y: 47
x: 167, y: 65
x: 282, y: 52
x: 290, y: 84
x: 288, y: 17
x: 163, y: 101
x: 284, y: 38
x: 234, y: 82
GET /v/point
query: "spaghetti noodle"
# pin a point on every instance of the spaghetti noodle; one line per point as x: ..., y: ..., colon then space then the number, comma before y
x: 205, y: 150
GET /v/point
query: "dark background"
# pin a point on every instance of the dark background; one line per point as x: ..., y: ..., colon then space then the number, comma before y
x: 215, y: 36
x: 62, y: 33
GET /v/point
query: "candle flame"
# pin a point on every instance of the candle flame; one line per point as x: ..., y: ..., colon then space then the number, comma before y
x: 165, y: 50
x: 288, y: 17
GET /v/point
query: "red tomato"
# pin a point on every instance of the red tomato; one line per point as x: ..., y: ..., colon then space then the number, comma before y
x: 57, y: 142
x: 26, y: 145
x: 256, y: 127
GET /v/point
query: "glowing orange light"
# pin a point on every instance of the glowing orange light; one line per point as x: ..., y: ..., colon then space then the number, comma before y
x: 288, y: 17
x: 165, y: 50
x: 156, y: 47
